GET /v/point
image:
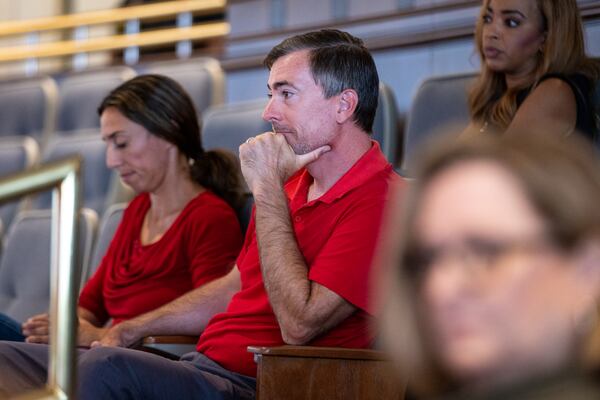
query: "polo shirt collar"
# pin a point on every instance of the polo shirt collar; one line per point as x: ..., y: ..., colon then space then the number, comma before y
x: 368, y: 165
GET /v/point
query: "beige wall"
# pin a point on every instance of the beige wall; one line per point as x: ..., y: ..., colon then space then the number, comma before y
x: 91, y: 5
x: 11, y: 10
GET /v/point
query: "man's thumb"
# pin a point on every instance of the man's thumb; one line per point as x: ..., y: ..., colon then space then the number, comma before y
x: 304, y: 159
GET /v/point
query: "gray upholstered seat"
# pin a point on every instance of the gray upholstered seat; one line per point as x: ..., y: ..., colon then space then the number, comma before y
x: 25, y: 264
x: 80, y: 94
x: 28, y: 107
x: 597, y: 104
x: 386, y: 124
x: 97, y: 179
x: 439, y: 102
x: 16, y: 154
x: 228, y: 126
x: 203, y: 78
x: 108, y: 226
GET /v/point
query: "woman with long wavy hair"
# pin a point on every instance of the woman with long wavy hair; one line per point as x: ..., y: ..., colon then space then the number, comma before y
x: 534, y: 73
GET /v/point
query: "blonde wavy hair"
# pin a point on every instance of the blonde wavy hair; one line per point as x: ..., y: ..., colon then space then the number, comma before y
x: 563, y: 53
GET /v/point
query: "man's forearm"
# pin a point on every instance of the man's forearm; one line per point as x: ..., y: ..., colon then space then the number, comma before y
x: 187, y: 315
x: 303, y: 308
x: 285, y: 273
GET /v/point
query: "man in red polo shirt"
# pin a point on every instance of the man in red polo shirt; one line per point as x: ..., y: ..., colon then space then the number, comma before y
x: 320, y: 186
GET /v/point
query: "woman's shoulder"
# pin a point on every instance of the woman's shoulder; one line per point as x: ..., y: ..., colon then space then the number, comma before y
x: 551, y: 92
x: 208, y: 205
x: 579, y: 83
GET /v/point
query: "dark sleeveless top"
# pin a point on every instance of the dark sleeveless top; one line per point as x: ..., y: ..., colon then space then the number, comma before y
x: 583, y: 89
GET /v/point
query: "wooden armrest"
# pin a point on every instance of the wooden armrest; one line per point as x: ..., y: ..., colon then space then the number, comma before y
x: 319, y: 352
x: 170, y: 339
x: 324, y: 373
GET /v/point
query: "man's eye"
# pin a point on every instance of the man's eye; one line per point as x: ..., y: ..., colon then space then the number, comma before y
x: 120, y: 145
x: 269, y: 95
x: 286, y: 94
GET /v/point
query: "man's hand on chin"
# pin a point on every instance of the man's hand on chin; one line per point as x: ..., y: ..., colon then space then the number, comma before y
x: 268, y: 160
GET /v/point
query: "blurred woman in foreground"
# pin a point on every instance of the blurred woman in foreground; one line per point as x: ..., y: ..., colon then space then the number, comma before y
x: 498, y: 275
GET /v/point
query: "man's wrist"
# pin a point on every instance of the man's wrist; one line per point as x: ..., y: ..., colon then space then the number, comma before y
x: 265, y: 189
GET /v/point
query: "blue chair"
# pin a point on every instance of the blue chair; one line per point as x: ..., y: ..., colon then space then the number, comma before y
x: 439, y: 102
x: 203, y: 78
x: 28, y: 107
x: 80, y: 94
x: 16, y: 154
x: 108, y: 226
x: 597, y: 106
x: 25, y: 264
x: 97, y: 179
x: 386, y: 126
x: 228, y: 126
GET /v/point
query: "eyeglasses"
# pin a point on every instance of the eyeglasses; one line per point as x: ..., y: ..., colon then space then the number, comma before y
x: 474, y: 253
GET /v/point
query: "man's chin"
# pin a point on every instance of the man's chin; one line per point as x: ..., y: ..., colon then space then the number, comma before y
x: 300, y: 149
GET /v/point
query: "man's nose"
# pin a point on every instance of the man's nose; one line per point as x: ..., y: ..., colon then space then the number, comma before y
x: 270, y: 112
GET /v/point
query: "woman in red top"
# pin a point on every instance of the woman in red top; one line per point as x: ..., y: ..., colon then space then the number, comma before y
x: 180, y: 231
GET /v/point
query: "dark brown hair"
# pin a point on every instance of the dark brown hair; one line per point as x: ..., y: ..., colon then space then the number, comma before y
x: 338, y: 61
x: 163, y: 107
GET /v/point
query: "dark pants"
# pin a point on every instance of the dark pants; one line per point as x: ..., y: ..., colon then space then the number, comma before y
x: 117, y: 373
x: 10, y: 329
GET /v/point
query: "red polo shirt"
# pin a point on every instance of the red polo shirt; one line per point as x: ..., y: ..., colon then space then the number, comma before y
x: 337, y: 235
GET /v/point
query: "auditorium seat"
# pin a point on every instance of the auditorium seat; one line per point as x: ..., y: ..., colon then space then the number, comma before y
x: 28, y: 107
x: 597, y: 111
x: 439, y: 102
x: 202, y: 77
x: 97, y: 180
x: 25, y: 263
x: 16, y: 154
x: 227, y: 126
x: 80, y: 94
x: 387, y: 123
x: 108, y: 226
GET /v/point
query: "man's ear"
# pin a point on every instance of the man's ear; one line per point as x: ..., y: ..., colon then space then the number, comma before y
x: 347, y: 103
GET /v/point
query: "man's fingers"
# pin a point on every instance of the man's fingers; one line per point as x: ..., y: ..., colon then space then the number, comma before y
x: 37, y: 339
x: 304, y: 159
x: 35, y: 331
x: 36, y: 320
x: 38, y: 317
x: 35, y: 328
x: 107, y: 341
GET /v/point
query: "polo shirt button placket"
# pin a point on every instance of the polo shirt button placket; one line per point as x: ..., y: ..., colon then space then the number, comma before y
x: 298, y: 218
